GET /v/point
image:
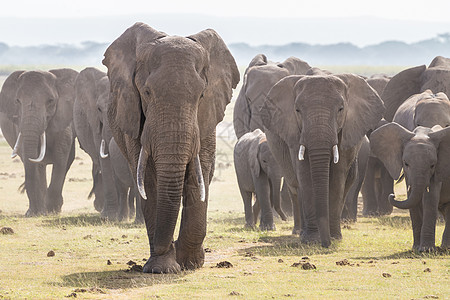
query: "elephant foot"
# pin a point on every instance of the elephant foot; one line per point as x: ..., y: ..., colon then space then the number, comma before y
x: 110, y: 215
x: 249, y: 226
x: 165, y: 263
x: 385, y: 212
x: 267, y: 227
x: 369, y: 214
x: 139, y: 221
x: 311, y: 237
x: 427, y: 249
x: 296, y: 231
x: 189, y: 258
x: 33, y: 213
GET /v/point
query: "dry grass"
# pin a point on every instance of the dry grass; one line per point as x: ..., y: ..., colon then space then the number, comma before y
x: 262, y: 261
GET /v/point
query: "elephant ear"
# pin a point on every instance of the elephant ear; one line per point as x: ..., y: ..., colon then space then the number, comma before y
x: 278, y: 112
x: 400, y: 88
x: 120, y: 58
x: 437, y: 76
x: 258, y: 60
x: 387, y: 143
x: 65, y: 87
x: 364, y: 110
x: 8, y: 104
x: 222, y: 75
x: 441, y: 138
x: 253, y: 152
x: 295, y: 66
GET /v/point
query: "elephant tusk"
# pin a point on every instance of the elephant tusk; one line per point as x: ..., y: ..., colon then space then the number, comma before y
x: 428, y: 189
x: 301, y: 153
x: 43, y: 149
x: 335, y: 154
x: 16, y: 146
x: 142, y: 164
x: 102, y: 150
x: 201, y: 182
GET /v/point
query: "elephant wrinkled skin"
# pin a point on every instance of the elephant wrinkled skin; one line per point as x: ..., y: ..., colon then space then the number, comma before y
x: 258, y: 173
x: 36, y: 120
x: 314, y: 126
x: 168, y: 95
x: 424, y: 156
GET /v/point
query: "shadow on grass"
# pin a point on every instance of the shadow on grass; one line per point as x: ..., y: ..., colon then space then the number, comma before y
x: 83, y: 220
x: 117, y: 279
x: 439, y: 253
x: 395, y: 221
x: 289, y: 245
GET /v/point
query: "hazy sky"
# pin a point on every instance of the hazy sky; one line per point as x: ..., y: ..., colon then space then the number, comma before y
x: 32, y: 22
x: 392, y: 9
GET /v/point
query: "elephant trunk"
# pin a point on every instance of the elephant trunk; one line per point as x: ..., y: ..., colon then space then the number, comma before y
x: 415, y: 195
x: 320, y: 174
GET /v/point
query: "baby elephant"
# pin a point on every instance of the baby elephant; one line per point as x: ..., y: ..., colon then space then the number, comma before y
x: 258, y: 173
x: 424, y: 156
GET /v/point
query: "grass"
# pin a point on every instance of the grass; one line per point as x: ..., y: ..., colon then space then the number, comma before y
x: 83, y: 244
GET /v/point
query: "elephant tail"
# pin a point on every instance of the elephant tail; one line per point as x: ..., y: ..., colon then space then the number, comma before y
x: 22, y: 188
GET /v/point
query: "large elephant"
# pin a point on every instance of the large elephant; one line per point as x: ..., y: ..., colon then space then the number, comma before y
x: 411, y: 81
x: 37, y: 123
x: 93, y: 133
x: 168, y: 94
x: 260, y: 75
x: 258, y: 173
x: 424, y: 156
x: 126, y: 188
x: 314, y: 126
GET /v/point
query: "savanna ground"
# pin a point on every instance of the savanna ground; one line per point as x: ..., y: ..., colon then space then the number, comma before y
x: 90, y: 259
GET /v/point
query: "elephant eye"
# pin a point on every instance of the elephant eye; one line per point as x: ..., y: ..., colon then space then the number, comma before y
x: 17, y: 101
x: 297, y: 110
x: 432, y: 166
x: 406, y: 164
x: 341, y: 109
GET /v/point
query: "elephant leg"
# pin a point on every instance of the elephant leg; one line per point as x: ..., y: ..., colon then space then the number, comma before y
x: 309, y: 230
x: 275, y: 197
x: 248, y: 209
x: 131, y: 202
x: 387, y: 183
x: 370, y: 202
x: 256, y: 209
x: 430, y: 215
x: 286, y: 202
x: 349, y: 210
x: 189, y: 246
x: 340, y: 184
x: 36, y: 187
x: 97, y: 188
x: 122, y: 196
x: 262, y: 191
x: 54, y: 198
x: 297, y: 211
x: 416, y: 215
x: 445, y: 209
x: 139, y: 215
x: 111, y: 205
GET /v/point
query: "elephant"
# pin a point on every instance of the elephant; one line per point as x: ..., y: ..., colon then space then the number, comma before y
x: 350, y: 209
x: 424, y: 157
x: 168, y: 95
x: 125, y: 185
x: 258, y: 173
x: 408, y: 82
x: 93, y: 133
x: 314, y: 127
x: 375, y: 199
x: 260, y: 75
x: 36, y: 120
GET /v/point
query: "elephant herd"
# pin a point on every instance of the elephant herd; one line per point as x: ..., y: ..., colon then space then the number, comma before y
x: 149, y: 126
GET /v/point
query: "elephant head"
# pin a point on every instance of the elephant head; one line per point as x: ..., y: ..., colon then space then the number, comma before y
x: 38, y: 102
x: 423, y: 155
x: 431, y: 109
x: 317, y: 116
x: 260, y: 75
x: 414, y: 81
